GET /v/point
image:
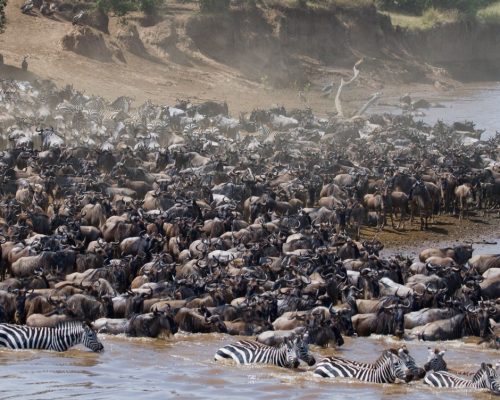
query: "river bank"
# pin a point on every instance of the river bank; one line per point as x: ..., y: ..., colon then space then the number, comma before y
x: 249, y: 57
x: 446, y: 231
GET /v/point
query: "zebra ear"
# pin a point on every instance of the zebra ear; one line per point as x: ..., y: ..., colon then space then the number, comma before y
x: 441, y: 353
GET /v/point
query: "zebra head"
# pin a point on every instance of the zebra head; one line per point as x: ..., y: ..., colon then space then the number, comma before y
x: 291, y: 351
x: 301, y: 345
x: 488, y: 375
x: 398, y: 367
x: 90, y: 339
x: 415, y: 372
x: 435, y: 361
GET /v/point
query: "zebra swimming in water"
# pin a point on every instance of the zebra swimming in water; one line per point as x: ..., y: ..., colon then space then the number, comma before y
x: 386, y: 369
x: 485, y: 378
x: 287, y: 355
x: 58, y: 338
x: 415, y: 372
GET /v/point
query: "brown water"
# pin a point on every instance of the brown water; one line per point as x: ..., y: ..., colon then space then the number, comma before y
x: 473, y: 102
x: 183, y: 367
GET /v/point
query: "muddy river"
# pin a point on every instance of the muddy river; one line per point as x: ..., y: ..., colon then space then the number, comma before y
x: 480, y: 104
x: 183, y: 367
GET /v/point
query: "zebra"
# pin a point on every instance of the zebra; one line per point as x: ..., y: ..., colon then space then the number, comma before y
x: 436, y: 362
x: 287, y: 355
x: 415, y: 372
x: 485, y: 378
x: 59, y: 338
x: 386, y: 369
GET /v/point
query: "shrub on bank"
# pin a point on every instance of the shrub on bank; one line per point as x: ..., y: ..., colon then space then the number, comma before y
x: 214, y: 5
x: 122, y: 7
x: 470, y: 7
x: 3, y: 3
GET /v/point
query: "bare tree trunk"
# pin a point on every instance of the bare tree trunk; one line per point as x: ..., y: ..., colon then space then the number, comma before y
x: 343, y: 83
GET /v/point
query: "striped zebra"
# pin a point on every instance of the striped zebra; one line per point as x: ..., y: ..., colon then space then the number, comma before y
x: 436, y: 362
x: 484, y: 378
x: 287, y: 355
x: 414, y: 371
x: 58, y: 338
x: 386, y: 369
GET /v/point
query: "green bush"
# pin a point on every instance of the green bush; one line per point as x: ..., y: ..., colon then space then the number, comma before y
x: 117, y: 7
x: 149, y: 7
x: 3, y: 3
x: 214, y: 5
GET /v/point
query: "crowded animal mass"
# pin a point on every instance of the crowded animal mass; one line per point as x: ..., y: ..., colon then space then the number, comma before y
x: 155, y: 221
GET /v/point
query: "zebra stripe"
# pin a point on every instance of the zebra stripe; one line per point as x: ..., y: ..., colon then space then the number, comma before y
x: 484, y: 378
x: 286, y: 355
x: 402, y: 353
x: 386, y: 369
x: 58, y: 338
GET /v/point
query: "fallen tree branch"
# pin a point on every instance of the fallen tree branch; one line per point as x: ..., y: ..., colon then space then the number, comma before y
x: 371, y: 100
x: 343, y: 83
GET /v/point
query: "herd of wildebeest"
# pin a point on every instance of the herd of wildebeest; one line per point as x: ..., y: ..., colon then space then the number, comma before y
x: 149, y: 220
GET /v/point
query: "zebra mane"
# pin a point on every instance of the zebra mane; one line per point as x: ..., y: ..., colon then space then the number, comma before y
x: 384, y: 356
x: 67, y: 324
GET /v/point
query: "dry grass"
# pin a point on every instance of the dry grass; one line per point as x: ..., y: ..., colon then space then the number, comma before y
x: 429, y: 19
x: 490, y: 14
x: 319, y: 4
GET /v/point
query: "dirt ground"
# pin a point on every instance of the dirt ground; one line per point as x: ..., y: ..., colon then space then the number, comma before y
x: 161, y: 71
x: 445, y: 231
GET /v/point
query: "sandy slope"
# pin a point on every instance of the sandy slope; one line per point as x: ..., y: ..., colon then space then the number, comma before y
x: 160, y: 75
x: 162, y: 81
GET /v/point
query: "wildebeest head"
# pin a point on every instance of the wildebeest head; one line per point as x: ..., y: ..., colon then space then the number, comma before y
x: 478, y: 320
x: 392, y: 320
x: 342, y: 319
x: 462, y: 253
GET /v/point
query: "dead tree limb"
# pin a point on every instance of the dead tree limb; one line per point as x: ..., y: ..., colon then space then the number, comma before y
x: 343, y: 83
x: 371, y: 100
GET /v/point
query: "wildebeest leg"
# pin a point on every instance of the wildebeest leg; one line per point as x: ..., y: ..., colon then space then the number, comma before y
x: 380, y: 220
x: 461, y: 212
x: 392, y: 218
x: 402, y: 217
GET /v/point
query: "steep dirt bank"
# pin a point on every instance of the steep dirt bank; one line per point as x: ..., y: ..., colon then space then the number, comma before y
x: 250, y: 57
x: 468, y: 51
